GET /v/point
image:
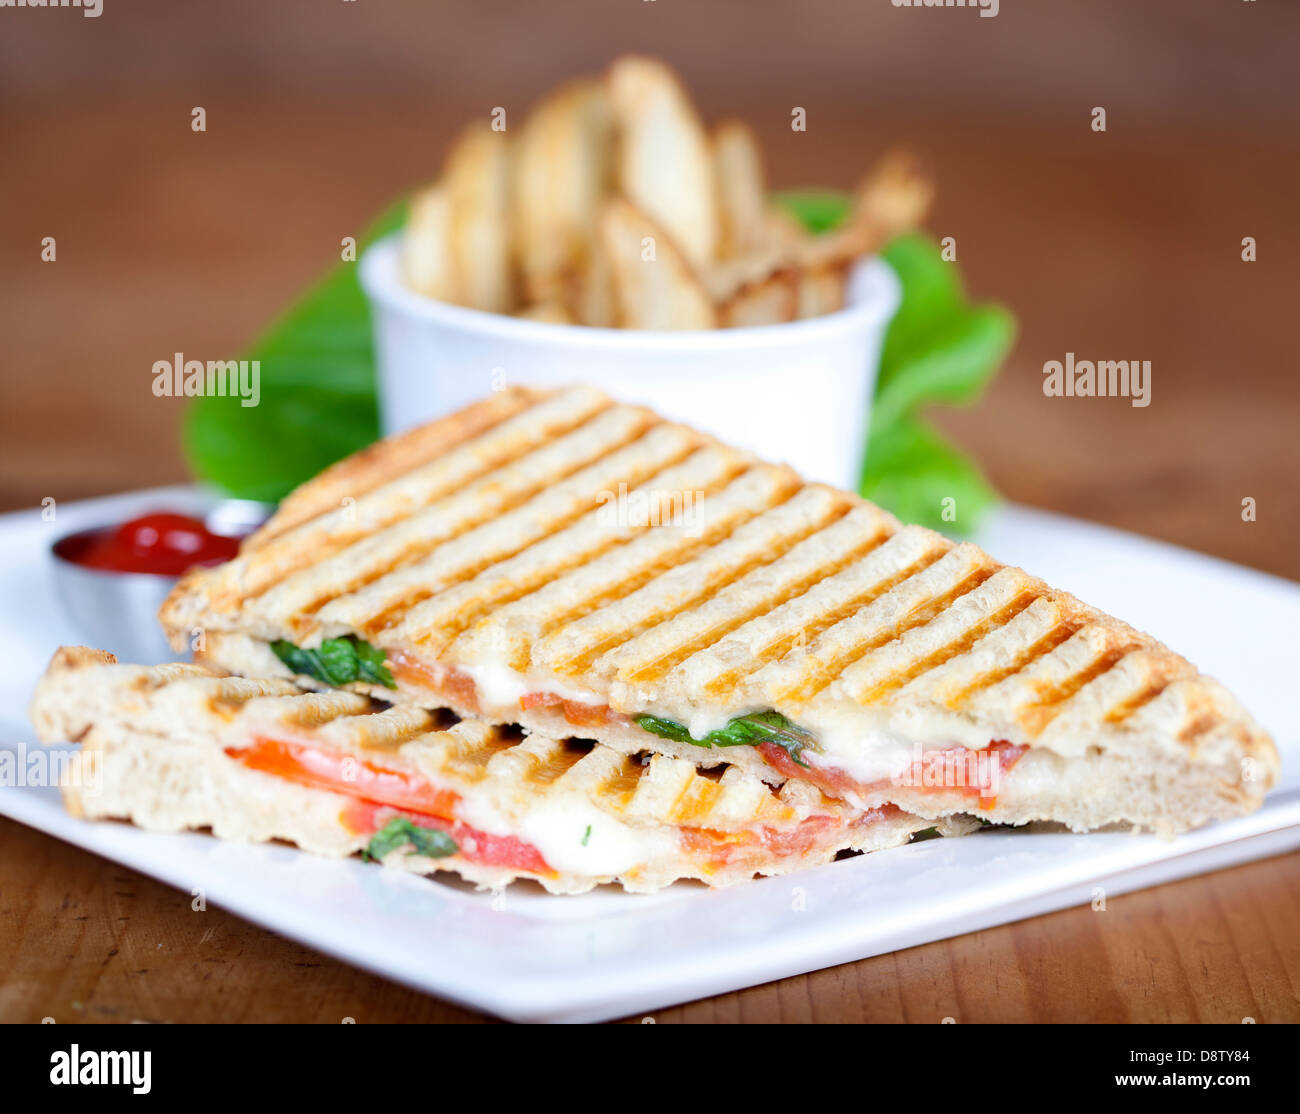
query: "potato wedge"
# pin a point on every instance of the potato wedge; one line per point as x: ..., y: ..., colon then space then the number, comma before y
x: 820, y: 291
x: 563, y: 170
x: 426, y: 248
x: 654, y: 287
x: 892, y: 198
x: 782, y: 229
x: 590, y: 292
x: 742, y: 190
x: 553, y: 313
x: 664, y: 164
x: 478, y: 191
x: 726, y: 278
x: 773, y: 300
x: 895, y: 195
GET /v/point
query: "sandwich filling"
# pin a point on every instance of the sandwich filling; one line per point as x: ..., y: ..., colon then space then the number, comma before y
x: 184, y: 746
x: 859, y: 767
x: 396, y: 807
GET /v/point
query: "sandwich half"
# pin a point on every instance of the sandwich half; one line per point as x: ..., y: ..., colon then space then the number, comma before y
x: 580, y: 566
x: 184, y: 746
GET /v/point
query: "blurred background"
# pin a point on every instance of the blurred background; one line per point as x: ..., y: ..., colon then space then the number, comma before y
x: 1122, y: 245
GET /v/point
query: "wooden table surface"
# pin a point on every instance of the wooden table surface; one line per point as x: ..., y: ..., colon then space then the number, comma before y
x: 1122, y: 245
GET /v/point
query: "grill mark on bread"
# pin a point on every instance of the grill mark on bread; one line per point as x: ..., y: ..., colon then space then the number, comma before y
x: 724, y: 683
x: 558, y: 761
x: 1036, y: 715
x: 962, y: 644
x: 696, y: 802
x: 394, y: 613
x: 446, y: 630
x: 662, y: 665
x: 421, y: 548
x: 709, y: 587
x: 918, y: 616
x: 1152, y: 690
x: 299, y: 557
x: 371, y: 467
x: 1200, y: 724
x: 1061, y: 632
x: 630, y: 584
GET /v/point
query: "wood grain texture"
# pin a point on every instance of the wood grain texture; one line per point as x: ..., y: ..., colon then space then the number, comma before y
x: 1123, y: 245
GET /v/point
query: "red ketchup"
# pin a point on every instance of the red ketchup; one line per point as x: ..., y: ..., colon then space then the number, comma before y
x: 162, y: 543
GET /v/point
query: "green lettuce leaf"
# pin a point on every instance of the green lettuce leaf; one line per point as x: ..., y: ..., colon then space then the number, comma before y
x: 939, y: 349
x: 318, y: 401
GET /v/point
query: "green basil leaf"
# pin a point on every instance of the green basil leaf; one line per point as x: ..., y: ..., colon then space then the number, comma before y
x: 433, y: 843
x: 337, y: 658
x: 743, y: 731
x: 371, y: 665
x: 337, y: 661
x: 667, y: 729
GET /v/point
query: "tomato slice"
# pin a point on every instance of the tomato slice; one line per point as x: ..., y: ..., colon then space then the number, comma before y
x: 345, y: 773
x: 953, y: 769
x: 368, y: 817
x: 719, y: 849
x: 586, y: 715
x: 456, y: 687
x: 380, y: 794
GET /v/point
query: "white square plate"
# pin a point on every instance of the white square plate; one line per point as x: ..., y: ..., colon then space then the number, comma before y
x: 527, y: 956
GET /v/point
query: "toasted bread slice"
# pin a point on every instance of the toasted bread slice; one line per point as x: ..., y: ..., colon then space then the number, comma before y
x: 188, y: 746
x: 571, y: 563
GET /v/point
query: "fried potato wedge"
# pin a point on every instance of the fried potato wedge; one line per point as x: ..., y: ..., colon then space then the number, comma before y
x: 742, y: 190
x: 553, y: 313
x: 426, y: 248
x: 773, y: 300
x: 664, y: 162
x: 615, y: 207
x: 892, y: 198
x: 820, y: 290
x: 590, y: 292
x: 478, y: 191
x: 654, y: 286
x: 562, y: 172
x: 895, y: 195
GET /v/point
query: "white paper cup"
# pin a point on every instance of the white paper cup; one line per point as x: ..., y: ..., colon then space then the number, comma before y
x: 799, y: 392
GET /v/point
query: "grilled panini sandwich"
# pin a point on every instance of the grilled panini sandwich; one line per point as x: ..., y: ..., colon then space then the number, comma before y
x: 578, y: 566
x: 188, y: 746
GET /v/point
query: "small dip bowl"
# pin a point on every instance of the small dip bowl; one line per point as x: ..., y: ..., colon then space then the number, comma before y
x: 118, y: 611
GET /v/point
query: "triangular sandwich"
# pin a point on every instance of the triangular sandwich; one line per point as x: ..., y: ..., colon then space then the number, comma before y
x: 580, y: 566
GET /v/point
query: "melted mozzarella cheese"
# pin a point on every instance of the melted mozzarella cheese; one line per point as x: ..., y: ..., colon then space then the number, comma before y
x: 866, y: 756
x: 499, y: 686
x: 577, y: 838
